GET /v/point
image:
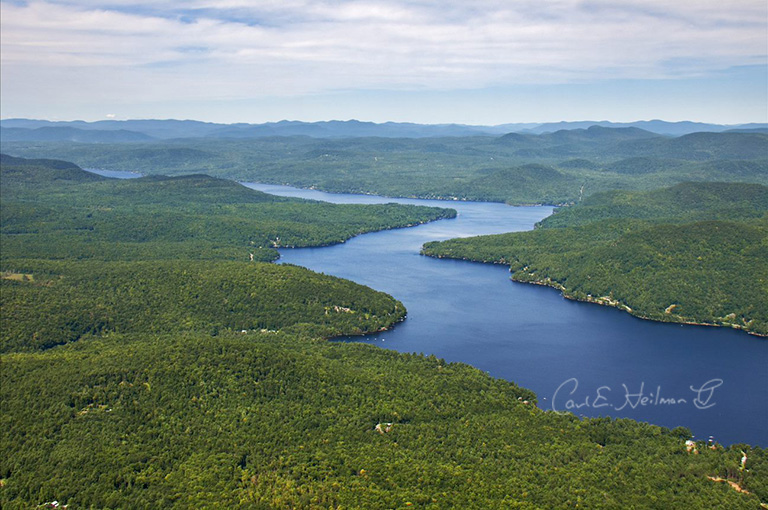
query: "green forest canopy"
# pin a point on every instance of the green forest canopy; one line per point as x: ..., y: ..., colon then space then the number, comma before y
x: 51, y: 212
x: 696, y: 252
x: 189, y: 383
x: 553, y: 168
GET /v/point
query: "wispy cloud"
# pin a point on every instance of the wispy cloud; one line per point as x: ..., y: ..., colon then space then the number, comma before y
x: 240, y: 49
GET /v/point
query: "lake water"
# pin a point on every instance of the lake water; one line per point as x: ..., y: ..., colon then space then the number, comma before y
x: 711, y: 380
x: 115, y: 174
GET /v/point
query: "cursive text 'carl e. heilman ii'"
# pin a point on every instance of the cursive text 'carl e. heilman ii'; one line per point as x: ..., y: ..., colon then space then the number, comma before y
x: 702, y: 397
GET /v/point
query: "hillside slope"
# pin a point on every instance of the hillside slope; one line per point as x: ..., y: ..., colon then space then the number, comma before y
x: 132, y: 379
x: 578, y: 162
x: 694, y: 253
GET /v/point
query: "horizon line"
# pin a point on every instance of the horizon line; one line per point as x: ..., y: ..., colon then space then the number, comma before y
x: 2, y: 119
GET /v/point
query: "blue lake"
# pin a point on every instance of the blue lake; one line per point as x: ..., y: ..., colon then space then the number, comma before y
x: 711, y: 380
x: 115, y: 174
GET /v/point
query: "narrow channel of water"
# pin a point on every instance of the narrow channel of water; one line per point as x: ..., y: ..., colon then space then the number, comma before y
x: 711, y: 380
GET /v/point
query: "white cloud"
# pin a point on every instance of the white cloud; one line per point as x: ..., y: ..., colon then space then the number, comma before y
x: 232, y: 49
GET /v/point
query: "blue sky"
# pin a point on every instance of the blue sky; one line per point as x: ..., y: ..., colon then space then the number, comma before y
x: 430, y: 61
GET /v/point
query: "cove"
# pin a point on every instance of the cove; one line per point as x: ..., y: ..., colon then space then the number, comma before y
x: 580, y: 357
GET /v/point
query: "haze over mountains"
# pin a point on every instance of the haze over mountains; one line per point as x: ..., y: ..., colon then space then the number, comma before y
x: 120, y: 131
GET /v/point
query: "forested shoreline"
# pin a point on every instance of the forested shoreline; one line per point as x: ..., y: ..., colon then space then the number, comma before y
x: 148, y: 362
x: 694, y: 253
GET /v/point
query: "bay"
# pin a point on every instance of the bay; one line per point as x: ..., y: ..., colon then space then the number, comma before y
x: 580, y: 357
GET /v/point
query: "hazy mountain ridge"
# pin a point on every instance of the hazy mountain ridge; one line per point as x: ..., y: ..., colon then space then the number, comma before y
x: 170, y: 128
x: 655, y: 126
x: 494, y: 168
x: 72, y: 134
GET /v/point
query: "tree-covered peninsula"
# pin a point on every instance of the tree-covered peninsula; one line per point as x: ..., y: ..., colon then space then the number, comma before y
x: 692, y: 253
x: 149, y: 363
x: 55, y: 210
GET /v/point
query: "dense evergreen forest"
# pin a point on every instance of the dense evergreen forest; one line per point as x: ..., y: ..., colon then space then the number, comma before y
x: 695, y: 252
x: 553, y: 168
x: 66, y: 213
x: 284, y: 421
x: 147, y: 362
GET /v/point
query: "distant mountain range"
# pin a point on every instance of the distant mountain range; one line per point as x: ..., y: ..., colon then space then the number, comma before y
x: 654, y: 126
x: 126, y: 131
x: 71, y: 134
